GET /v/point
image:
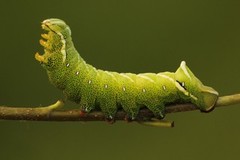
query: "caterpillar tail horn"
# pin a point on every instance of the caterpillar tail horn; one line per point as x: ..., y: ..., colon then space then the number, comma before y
x: 158, y: 123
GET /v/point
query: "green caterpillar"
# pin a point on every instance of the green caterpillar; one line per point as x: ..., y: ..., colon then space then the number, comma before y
x: 93, y: 88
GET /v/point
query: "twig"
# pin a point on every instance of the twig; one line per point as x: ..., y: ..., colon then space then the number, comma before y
x: 51, y: 113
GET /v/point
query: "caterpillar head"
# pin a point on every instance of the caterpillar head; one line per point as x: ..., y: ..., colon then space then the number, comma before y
x: 192, y: 88
x: 55, y: 42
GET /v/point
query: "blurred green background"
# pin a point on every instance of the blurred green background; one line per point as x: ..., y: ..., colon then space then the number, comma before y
x: 124, y: 36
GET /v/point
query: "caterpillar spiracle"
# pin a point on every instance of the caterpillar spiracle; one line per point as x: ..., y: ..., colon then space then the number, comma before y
x: 93, y: 88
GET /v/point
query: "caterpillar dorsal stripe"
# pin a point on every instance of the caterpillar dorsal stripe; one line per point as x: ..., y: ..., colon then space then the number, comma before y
x: 92, y: 88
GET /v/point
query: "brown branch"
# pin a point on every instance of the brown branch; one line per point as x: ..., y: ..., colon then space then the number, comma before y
x: 51, y: 113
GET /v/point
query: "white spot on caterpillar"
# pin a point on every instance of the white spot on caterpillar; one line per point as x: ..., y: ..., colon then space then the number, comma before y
x: 144, y: 90
x: 164, y: 88
x: 105, y: 86
x: 89, y: 82
x: 145, y: 77
x: 123, y: 88
x: 183, y: 84
x: 87, y: 109
x: 124, y: 75
x: 77, y: 73
x: 183, y: 66
x: 180, y: 88
x: 68, y: 65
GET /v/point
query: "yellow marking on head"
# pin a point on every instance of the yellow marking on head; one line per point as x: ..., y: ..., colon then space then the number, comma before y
x: 45, y: 36
x: 43, y: 43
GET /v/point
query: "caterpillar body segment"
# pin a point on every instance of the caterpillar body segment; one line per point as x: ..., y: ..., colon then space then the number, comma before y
x: 91, y: 87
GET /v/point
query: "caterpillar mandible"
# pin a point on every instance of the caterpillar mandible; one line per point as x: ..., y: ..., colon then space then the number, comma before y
x: 93, y: 88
